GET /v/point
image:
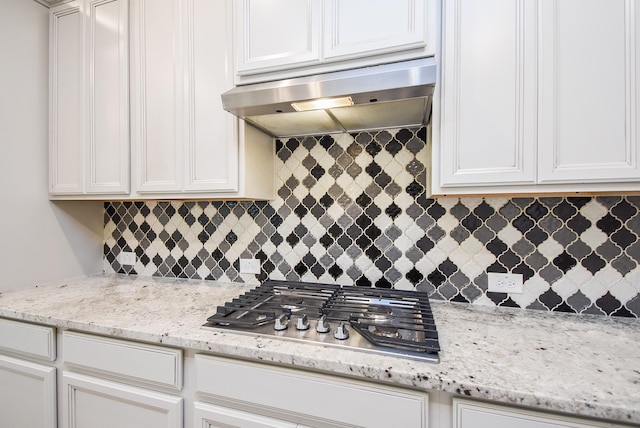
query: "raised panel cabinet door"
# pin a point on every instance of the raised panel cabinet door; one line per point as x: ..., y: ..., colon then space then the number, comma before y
x: 467, y: 414
x: 66, y: 172
x: 211, y: 140
x: 276, y: 34
x: 588, y: 91
x: 211, y: 416
x: 156, y: 91
x: 95, y: 403
x: 107, y: 95
x: 355, y: 28
x: 27, y: 394
x: 487, y: 94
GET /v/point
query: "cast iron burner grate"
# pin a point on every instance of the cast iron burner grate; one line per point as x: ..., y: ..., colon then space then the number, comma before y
x: 395, y: 322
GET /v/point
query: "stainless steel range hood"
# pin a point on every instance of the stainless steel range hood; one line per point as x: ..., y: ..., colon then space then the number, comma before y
x: 382, y: 96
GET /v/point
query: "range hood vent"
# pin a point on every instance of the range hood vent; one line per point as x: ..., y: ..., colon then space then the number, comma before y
x: 377, y: 97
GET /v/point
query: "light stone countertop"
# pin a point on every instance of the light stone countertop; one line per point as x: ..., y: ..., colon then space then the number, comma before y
x: 585, y: 365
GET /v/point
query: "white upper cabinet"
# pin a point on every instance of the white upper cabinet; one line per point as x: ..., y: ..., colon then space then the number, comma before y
x: 356, y: 28
x: 184, y: 143
x: 89, y: 96
x: 277, y: 34
x: 159, y: 121
x: 156, y: 98
x: 537, y: 96
x: 588, y: 108
x: 488, y: 128
x: 286, y: 38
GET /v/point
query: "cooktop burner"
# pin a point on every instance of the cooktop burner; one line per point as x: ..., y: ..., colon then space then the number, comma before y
x: 382, y: 321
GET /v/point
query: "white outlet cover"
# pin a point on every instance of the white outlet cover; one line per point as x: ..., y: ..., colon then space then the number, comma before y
x: 250, y: 266
x: 505, y: 283
x: 127, y: 258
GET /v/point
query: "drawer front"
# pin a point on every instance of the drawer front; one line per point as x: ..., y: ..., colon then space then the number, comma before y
x: 277, y: 389
x: 26, y: 339
x: 135, y: 362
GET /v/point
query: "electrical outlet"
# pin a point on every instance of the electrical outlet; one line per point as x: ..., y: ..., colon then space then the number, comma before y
x: 127, y: 258
x: 250, y: 266
x: 505, y: 282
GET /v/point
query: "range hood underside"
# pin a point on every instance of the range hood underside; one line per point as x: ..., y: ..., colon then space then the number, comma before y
x: 384, y: 96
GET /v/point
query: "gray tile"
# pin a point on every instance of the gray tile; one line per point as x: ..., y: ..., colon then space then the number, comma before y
x: 393, y: 275
x: 459, y: 234
x: 550, y: 273
x: 471, y: 292
x: 578, y: 301
x: 523, y: 247
x: 608, y: 250
x: 536, y: 260
x: 623, y: 264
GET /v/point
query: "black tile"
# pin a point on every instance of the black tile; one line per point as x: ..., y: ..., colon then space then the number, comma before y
x: 608, y: 224
x: 550, y: 299
x: 564, y: 262
x: 523, y: 223
x: 393, y: 210
x: 564, y: 211
x: 593, y: 263
x: 608, y: 303
x: 579, y: 224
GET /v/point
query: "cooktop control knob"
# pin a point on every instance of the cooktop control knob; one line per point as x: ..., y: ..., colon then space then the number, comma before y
x: 341, y: 332
x: 282, y: 323
x: 323, y: 326
x: 303, y: 323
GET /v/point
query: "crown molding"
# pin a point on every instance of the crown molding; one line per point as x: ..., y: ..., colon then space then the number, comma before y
x: 52, y: 3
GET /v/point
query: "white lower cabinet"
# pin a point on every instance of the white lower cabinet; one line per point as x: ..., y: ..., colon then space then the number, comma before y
x: 473, y: 414
x: 295, y: 398
x: 211, y: 416
x: 27, y: 394
x: 91, y: 402
x: 27, y: 375
x: 119, y: 383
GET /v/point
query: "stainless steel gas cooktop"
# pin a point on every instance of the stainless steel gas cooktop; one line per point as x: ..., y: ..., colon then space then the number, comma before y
x: 381, y: 321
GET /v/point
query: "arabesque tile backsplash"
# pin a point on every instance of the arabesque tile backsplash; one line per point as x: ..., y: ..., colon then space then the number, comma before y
x: 351, y: 209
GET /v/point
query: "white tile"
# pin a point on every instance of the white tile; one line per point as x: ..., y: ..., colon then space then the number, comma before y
x: 509, y: 235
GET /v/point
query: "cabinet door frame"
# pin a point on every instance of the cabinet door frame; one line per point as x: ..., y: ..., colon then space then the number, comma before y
x: 141, y: 142
x: 60, y: 105
x: 552, y: 169
x: 521, y: 169
x: 122, y: 162
x: 72, y: 383
x: 46, y: 375
x: 335, y: 49
x: 205, y: 138
x: 464, y: 411
x: 246, y: 64
x: 212, y: 416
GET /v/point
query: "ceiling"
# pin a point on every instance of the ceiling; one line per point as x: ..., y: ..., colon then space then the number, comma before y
x: 51, y: 3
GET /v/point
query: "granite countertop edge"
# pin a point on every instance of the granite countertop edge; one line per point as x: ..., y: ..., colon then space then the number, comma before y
x: 518, y: 357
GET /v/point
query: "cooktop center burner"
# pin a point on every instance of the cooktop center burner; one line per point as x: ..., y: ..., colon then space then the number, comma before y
x: 391, y: 322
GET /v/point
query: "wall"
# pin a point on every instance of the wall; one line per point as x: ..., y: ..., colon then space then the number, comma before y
x: 351, y: 209
x: 42, y: 241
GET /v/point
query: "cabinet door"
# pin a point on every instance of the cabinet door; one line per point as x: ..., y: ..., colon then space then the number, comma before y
x: 211, y: 140
x: 589, y: 91
x: 66, y: 170
x: 356, y: 28
x: 107, y: 95
x: 468, y: 414
x: 156, y: 91
x: 95, y: 403
x: 210, y: 416
x: 277, y: 34
x: 488, y: 94
x: 27, y: 394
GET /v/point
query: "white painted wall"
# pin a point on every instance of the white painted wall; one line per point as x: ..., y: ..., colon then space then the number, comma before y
x: 40, y: 241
